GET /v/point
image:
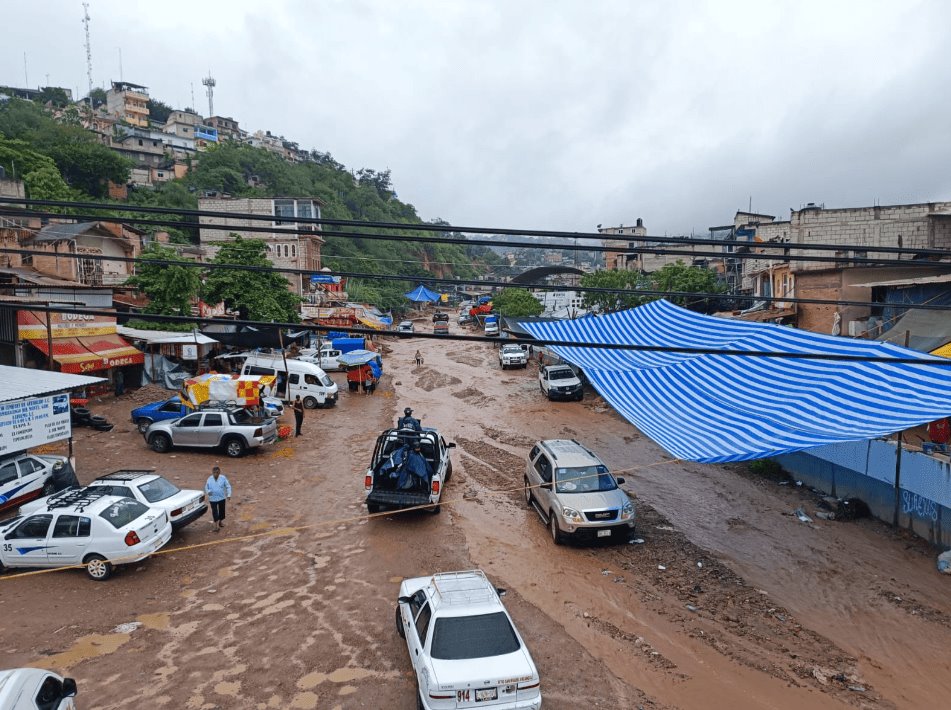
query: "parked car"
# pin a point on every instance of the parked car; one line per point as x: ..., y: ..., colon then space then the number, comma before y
x: 440, y: 316
x: 295, y: 377
x: 236, y: 430
x: 147, y: 487
x: 173, y: 408
x: 560, y: 382
x: 325, y: 358
x: 24, y: 477
x: 401, y: 477
x: 405, y: 326
x: 86, y: 527
x: 575, y: 494
x: 36, y: 689
x: 512, y: 356
x: 441, y: 327
x: 463, y: 645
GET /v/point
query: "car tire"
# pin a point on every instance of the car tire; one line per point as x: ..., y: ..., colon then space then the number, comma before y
x: 234, y: 447
x: 143, y: 423
x: 579, y: 397
x: 160, y: 443
x: 419, y: 699
x: 310, y: 403
x: 399, y: 623
x: 448, y: 471
x: 436, y: 509
x: 528, y: 494
x: 98, y: 568
x: 373, y: 508
x: 97, y: 420
x: 557, y: 536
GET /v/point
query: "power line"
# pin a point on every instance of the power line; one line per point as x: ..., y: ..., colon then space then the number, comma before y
x: 650, y: 293
x: 941, y: 362
x: 429, y: 227
x: 838, y: 259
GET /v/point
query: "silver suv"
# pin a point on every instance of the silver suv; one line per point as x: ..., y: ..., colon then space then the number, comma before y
x: 575, y: 494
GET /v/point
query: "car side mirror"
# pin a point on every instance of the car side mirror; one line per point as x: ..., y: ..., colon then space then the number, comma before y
x: 546, y: 486
x: 69, y: 688
x: 404, y: 600
x: 451, y: 445
x: 620, y: 480
x: 500, y: 591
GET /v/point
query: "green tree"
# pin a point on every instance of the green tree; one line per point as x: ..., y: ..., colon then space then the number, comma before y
x: 158, y: 110
x: 54, y: 95
x: 89, y: 166
x: 256, y: 295
x: 38, y: 172
x: 98, y: 97
x: 516, y: 302
x: 679, y: 277
x: 169, y: 287
x: 627, y: 281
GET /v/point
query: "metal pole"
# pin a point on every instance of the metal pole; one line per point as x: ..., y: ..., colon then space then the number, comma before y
x: 898, y: 451
x: 49, y: 343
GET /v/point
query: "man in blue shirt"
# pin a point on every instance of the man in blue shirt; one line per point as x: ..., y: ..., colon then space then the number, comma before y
x: 218, y: 490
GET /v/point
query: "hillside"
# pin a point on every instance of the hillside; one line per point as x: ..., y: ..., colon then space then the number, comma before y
x: 58, y: 159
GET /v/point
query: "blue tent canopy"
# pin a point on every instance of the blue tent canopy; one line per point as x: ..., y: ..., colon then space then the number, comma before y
x: 421, y: 293
x: 715, y: 408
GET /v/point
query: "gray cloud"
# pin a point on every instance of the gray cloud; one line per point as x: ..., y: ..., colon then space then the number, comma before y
x: 554, y: 114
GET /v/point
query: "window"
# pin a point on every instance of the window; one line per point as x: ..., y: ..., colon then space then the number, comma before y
x: 50, y: 693
x: 267, y: 371
x: 123, y: 491
x: 123, y: 512
x: 33, y: 527
x: 8, y: 473
x: 584, y: 479
x: 543, y: 466
x: 72, y: 526
x: 160, y: 489
x: 422, y: 622
x: 140, y: 141
x: 287, y: 251
x: 29, y: 465
x: 305, y: 209
x: 171, y: 406
x: 294, y: 379
x: 283, y: 209
x: 192, y: 420
x: 311, y: 380
x: 460, y: 637
x: 294, y: 251
x: 213, y: 420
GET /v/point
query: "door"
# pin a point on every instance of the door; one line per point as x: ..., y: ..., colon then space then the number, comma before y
x: 543, y: 473
x: 186, y: 430
x: 209, y: 434
x: 294, y: 387
x: 416, y: 635
x: 69, y: 540
x: 171, y: 409
x: 25, y: 545
x: 10, y: 486
x: 328, y: 359
x: 315, y: 388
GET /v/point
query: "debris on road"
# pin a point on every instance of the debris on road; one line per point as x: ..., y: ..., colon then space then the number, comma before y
x: 799, y: 513
x: 944, y: 562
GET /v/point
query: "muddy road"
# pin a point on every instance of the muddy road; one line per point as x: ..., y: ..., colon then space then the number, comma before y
x: 728, y: 602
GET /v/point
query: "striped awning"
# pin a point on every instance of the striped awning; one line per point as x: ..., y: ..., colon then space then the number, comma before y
x: 716, y: 408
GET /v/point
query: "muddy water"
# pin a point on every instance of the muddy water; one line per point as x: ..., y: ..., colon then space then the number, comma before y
x: 776, y: 614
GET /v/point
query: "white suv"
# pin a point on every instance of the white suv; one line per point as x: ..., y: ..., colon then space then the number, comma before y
x: 512, y: 356
x: 575, y: 494
x: 147, y: 487
x: 463, y: 645
x: 84, y: 527
x: 560, y: 382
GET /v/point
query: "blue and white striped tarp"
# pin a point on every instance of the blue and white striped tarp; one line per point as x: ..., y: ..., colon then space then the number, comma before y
x: 715, y: 408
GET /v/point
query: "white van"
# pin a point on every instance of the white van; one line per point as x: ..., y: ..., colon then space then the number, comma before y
x: 313, y: 385
x: 326, y: 359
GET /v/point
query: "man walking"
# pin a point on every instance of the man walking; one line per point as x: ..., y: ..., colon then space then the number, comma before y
x: 298, y: 414
x: 218, y: 490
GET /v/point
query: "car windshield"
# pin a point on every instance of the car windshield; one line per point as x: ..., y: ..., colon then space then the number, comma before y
x: 123, y: 512
x: 584, y: 479
x: 157, y: 490
x: 241, y: 416
x: 326, y: 381
x: 460, y: 637
x: 563, y: 373
x: 510, y: 349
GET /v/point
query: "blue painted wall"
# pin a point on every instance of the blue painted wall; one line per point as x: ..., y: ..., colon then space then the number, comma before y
x: 866, y: 470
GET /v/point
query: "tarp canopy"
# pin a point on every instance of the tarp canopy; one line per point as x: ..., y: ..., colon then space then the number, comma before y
x: 715, y: 408
x: 926, y: 330
x: 421, y: 293
x: 357, y: 357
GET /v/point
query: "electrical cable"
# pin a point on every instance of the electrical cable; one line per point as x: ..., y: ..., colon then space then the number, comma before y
x: 938, y: 361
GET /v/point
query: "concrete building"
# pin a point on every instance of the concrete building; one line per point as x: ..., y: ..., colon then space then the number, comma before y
x: 93, y: 238
x: 226, y: 127
x: 286, y: 248
x: 182, y: 124
x: 616, y: 259
x: 128, y: 102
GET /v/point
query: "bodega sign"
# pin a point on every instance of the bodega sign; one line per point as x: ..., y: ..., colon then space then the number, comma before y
x: 26, y: 423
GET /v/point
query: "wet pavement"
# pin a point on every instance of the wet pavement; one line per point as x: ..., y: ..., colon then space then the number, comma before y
x: 730, y: 601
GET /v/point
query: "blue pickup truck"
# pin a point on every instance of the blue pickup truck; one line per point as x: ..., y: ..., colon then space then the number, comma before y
x: 173, y: 408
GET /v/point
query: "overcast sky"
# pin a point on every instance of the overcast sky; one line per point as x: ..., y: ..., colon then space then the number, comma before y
x: 550, y: 114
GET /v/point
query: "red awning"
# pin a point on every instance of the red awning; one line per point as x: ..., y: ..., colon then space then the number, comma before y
x: 88, y: 354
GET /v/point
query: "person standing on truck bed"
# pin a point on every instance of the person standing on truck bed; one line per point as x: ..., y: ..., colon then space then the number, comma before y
x: 408, y: 421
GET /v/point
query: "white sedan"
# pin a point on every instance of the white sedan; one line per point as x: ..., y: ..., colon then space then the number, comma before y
x: 24, y: 477
x: 463, y: 645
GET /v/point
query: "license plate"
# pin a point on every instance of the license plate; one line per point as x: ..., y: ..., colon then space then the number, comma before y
x: 487, y: 694
x: 604, y: 533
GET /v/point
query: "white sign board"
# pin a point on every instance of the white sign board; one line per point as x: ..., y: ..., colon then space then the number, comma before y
x: 26, y: 423
x: 189, y: 352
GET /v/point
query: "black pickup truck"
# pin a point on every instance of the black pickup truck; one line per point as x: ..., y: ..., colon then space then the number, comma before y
x: 409, y: 468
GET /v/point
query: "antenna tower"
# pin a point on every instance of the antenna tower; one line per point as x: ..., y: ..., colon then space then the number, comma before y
x: 209, y: 82
x: 88, y: 49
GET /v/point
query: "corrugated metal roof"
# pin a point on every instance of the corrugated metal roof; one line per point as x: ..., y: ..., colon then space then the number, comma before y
x: 63, y: 230
x: 910, y: 281
x: 21, y: 382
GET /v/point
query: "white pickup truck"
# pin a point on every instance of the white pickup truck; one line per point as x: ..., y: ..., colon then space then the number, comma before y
x: 512, y: 356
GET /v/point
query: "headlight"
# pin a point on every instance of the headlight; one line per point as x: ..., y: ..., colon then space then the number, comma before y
x: 627, y: 511
x: 572, y: 515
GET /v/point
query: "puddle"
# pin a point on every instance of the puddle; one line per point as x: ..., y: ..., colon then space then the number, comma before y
x: 84, y: 648
x: 158, y: 621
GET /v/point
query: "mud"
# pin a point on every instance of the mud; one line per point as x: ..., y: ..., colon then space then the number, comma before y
x: 728, y: 601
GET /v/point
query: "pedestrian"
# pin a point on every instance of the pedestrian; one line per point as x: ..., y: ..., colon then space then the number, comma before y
x: 531, y: 350
x: 298, y: 414
x: 120, y: 383
x: 367, y: 377
x: 419, y: 358
x: 218, y: 490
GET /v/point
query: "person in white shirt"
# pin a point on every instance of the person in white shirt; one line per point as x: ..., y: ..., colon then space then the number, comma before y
x: 218, y: 490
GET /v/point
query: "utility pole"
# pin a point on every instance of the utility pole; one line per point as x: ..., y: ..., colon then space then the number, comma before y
x: 26, y: 77
x: 120, y: 64
x: 209, y: 82
x: 88, y: 50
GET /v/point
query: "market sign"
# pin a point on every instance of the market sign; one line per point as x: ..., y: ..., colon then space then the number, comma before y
x: 25, y: 423
x: 31, y: 325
